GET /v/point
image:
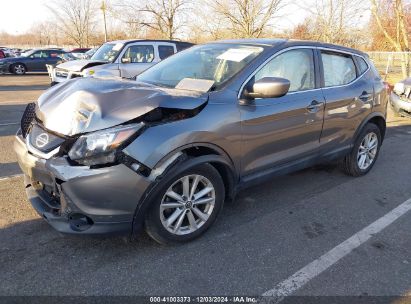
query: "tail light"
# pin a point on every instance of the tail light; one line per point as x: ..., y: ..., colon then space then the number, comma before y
x: 388, y: 87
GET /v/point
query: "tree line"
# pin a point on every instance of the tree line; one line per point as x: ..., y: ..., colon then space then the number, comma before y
x: 369, y: 25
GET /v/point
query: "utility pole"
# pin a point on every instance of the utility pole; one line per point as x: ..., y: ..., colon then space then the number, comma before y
x: 103, y: 8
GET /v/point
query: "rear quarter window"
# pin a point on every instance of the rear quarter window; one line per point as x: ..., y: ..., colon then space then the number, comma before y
x: 362, y: 65
x: 165, y: 51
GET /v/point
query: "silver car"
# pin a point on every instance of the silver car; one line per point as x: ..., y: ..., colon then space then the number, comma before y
x: 122, y: 58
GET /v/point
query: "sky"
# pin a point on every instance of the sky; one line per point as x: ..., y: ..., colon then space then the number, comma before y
x: 30, y: 12
x: 17, y: 16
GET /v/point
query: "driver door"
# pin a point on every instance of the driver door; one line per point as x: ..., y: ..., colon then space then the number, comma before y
x: 37, y: 61
x: 284, y: 130
x: 136, y: 58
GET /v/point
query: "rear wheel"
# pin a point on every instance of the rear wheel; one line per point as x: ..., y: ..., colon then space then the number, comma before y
x: 364, y: 153
x: 18, y: 69
x: 186, y: 205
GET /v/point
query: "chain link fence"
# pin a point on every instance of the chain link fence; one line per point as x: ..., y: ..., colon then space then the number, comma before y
x: 392, y: 65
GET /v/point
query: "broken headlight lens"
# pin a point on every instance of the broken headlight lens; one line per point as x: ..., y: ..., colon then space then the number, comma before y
x: 100, y: 147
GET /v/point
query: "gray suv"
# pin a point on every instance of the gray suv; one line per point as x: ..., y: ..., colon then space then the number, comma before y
x: 165, y: 151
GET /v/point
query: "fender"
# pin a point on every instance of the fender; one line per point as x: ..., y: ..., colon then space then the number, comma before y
x: 366, y: 120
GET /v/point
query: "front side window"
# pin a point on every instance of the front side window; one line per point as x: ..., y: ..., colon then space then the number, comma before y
x: 202, y: 68
x: 40, y: 54
x: 139, y: 54
x: 165, y: 51
x: 339, y: 69
x: 296, y: 65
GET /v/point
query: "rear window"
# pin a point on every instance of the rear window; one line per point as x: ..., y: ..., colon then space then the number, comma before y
x: 339, y: 69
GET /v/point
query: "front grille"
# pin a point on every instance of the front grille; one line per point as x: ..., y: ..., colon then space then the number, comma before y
x: 27, y: 119
x: 43, y: 140
x: 61, y: 73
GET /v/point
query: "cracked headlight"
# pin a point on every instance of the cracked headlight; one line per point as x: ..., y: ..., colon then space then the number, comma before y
x: 100, y: 147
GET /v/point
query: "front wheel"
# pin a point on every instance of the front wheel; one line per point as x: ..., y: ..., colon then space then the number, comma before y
x: 186, y: 205
x: 364, y: 153
x: 18, y: 69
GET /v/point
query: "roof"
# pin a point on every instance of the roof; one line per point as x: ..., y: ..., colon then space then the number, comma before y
x: 289, y: 43
x: 148, y: 40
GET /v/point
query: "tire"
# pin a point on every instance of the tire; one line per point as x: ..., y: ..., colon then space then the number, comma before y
x: 18, y: 69
x: 183, y: 223
x: 358, y: 163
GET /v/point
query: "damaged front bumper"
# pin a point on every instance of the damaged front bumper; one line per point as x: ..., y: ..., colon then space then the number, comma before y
x: 400, y: 105
x: 78, y: 199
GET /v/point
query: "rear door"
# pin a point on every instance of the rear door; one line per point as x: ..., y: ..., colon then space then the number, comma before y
x: 348, y: 91
x: 136, y: 58
x: 287, y: 129
x: 166, y: 49
x: 52, y: 58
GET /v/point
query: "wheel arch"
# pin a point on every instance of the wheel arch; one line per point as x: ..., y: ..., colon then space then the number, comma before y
x: 216, y: 156
x: 13, y: 64
x: 376, y: 118
x: 184, y: 158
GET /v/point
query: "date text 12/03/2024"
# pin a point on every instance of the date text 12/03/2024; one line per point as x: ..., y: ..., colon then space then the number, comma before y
x: 204, y: 299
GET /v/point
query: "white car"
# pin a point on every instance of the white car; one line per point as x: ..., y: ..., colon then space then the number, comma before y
x: 122, y: 58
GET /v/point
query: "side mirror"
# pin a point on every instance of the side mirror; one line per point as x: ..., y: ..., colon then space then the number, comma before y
x: 125, y: 60
x: 268, y: 87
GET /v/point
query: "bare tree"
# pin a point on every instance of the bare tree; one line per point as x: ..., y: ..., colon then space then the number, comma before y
x: 164, y: 16
x: 76, y: 18
x: 334, y: 21
x: 399, y: 37
x: 247, y: 18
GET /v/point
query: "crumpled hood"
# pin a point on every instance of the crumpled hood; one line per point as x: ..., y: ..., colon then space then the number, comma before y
x: 88, y: 104
x: 79, y: 65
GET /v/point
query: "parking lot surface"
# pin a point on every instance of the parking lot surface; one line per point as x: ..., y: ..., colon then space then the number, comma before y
x: 268, y: 234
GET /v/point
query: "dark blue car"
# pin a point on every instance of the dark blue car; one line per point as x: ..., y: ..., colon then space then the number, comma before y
x: 34, y: 61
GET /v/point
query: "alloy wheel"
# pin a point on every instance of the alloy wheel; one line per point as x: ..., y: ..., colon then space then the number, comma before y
x: 187, y: 204
x: 19, y: 69
x: 367, y: 151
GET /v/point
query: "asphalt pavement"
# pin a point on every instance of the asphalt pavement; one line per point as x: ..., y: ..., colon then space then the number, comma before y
x: 270, y: 235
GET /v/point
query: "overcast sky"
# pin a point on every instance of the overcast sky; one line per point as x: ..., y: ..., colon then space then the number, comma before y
x: 17, y: 16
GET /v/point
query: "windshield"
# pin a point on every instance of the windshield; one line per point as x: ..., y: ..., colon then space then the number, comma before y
x: 28, y: 53
x: 107, y: 52
x: 201, y: 68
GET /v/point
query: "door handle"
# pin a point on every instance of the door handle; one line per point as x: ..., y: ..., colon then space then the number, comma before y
x: 364, y: 96
x: 314, y: 106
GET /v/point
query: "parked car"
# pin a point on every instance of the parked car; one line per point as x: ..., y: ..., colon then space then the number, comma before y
x: 34, y: 61
x: 62, y: 58
x: 89, y: 53
x: 400, y: 98
x: 79, y: 52
x: 164, y: 152
x: 123, y: 58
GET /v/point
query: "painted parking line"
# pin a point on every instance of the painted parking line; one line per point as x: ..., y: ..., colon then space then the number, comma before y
x: 316, y: 267
x: 9, y: 123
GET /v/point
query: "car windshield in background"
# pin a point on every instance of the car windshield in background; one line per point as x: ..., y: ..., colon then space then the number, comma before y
x: 27, y: 54
x: 107, y: 52
x: 201, y: 68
